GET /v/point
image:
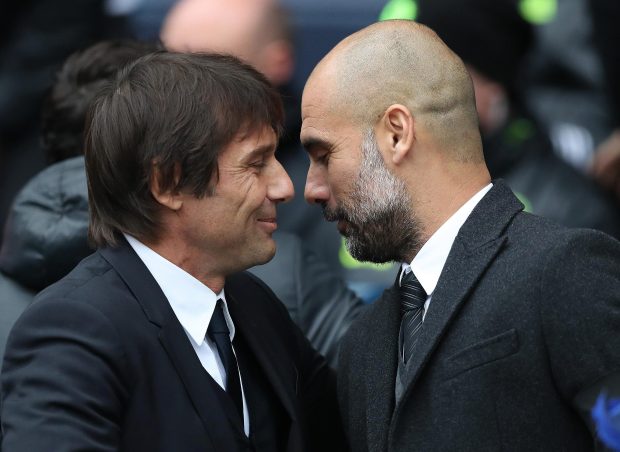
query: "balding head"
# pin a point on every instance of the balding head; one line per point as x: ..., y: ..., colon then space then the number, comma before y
x: 401, y: 62
x: 256, y: 31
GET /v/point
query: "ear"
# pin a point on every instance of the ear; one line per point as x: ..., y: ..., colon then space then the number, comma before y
x: 397, y: 132
x: 167, y: 198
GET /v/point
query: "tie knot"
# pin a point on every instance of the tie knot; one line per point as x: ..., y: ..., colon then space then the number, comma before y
x: 412, y: 294
x: 218, y: 324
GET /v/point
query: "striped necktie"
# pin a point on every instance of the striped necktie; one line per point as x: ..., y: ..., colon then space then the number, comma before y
x: 412, y: 299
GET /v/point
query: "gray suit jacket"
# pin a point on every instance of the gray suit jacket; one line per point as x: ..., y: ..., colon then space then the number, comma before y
x: 523, y: 329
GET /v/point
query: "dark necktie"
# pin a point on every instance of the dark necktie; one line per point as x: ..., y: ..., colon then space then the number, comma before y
x: 412, y: 299
x: 218, y: 332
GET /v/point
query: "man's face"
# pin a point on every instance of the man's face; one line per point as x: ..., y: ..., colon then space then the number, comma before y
x: 234, y: 225
x: 348, y: 177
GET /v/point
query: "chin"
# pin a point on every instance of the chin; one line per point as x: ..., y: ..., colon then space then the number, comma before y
x: 365, y: 252
x: 265, y: 253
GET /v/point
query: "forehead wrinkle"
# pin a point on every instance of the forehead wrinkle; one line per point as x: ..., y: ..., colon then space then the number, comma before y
x: 257, y: 140
x: 260, y: 151
x: 311, y: 126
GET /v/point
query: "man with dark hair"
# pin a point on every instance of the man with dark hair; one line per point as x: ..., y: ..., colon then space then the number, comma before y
x: 35, y: 37
x: 259, y: 32
x: 156, y: 341
x: 46, y: 233
x: 501, y: 328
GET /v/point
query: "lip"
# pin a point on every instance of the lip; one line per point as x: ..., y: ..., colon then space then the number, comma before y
x: 269, y: 224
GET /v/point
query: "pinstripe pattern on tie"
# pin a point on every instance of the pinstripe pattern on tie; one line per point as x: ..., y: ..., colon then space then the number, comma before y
x: 412, y: 299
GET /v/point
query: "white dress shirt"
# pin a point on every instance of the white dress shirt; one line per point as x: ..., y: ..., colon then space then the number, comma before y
x: 430, y: 260
x: 193, y: 304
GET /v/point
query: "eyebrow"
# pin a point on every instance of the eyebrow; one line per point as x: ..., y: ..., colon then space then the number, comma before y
x: 265, y: 149
x: 315, y: 142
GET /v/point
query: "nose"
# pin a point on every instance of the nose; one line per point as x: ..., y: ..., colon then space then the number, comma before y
x: 280, y: 188
x: 317, y: 189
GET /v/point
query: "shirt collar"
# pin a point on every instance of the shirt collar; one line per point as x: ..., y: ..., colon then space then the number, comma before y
x: 193, y: 303
x: 430, y: 260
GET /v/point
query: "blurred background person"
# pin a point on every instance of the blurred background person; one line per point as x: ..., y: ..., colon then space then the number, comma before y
x: 606, y: 165
x: 564, y: 79
x: 35, y: 38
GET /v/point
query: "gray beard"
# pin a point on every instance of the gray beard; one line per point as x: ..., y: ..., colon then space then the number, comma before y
x: 380, y: 224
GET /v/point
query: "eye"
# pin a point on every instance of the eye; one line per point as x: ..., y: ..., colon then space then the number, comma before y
x: 322, y: 158
x: 259, y: 164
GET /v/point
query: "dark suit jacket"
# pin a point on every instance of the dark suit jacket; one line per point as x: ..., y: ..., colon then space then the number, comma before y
x: 99, y: 362
x: 524, y: 321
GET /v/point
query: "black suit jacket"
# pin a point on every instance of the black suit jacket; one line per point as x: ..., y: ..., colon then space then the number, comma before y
x: 521, y: 331
x: 99, y: 362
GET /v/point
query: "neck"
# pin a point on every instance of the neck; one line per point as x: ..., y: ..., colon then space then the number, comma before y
x: 187, y: 259
x: 446, y: 193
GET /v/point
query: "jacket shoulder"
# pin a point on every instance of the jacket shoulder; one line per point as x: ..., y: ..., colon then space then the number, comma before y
x: 66, y: 367
x: 82, y: 280
x: 542, y: 233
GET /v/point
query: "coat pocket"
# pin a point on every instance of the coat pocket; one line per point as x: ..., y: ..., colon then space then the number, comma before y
x: 483, y: 352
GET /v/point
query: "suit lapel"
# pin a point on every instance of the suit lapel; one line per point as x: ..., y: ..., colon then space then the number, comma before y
x: 380, y: 366
x: 173, y: 339
x: 476, y: 246
x: 205, y: 398
x: 267, y: 353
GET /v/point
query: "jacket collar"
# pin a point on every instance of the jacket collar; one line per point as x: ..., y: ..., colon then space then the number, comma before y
x: 266, y: 347
x: 479, y: 241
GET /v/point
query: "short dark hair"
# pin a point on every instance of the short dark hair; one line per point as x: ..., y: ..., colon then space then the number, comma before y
x: 174, y: 112
x: 76, y: 84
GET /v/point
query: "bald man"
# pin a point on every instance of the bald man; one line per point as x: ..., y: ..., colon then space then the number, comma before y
x: 501, y: 327
x: 254, y: 30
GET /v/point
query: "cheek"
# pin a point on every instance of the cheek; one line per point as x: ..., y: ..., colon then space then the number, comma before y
x: 341, y: 178
x: 250, y: 195
x: 236, y: 190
